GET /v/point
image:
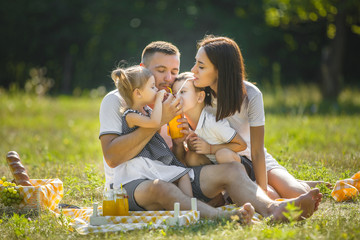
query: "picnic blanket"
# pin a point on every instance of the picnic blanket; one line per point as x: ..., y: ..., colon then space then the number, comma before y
x: 347, y: 189
x: 80, y: 220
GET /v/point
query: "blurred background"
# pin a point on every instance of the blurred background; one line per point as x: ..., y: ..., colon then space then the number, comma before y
x: 70, y: 47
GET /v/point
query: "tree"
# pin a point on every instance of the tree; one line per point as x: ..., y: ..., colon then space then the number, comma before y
x: 331, y: 17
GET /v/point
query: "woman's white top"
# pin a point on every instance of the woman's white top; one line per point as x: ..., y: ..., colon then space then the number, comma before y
x: 252, y: 114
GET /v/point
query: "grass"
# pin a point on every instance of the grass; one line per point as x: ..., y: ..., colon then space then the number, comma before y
x: 57, y: 137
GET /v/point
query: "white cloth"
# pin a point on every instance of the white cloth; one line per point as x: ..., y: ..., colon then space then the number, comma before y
x: 137, y: 168
x: 145, y: 168
x: 214, y: 132
x: 252, y: 114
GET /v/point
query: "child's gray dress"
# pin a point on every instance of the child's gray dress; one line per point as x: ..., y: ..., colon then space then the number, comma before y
x: 155, y: 161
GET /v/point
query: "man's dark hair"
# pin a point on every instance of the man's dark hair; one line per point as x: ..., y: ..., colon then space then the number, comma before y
x: 158, y: 46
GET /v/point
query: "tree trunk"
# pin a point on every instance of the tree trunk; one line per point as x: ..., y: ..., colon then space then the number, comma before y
x: 332, y: 60
x: 67, y: 74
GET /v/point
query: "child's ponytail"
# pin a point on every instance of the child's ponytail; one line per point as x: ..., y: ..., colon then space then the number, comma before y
x: 127, y: 80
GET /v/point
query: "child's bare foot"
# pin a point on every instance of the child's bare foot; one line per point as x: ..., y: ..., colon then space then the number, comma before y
x: 308, y: 203
x: 245, y: 214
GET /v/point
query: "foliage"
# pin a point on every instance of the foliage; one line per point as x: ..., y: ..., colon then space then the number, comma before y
x: 80, y: 42
x: 285, y: 12
x: 327, y: 25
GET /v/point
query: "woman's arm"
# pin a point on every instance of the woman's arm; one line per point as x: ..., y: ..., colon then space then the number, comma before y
x: 258, y: 155
x: 119, y: 149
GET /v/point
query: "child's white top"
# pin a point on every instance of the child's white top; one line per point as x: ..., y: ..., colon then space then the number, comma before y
x: 214, y: 132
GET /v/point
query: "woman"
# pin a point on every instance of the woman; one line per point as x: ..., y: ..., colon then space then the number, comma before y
x: 220, y: 66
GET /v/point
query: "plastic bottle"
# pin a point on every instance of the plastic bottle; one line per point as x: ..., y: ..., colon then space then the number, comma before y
x: 173, y: 129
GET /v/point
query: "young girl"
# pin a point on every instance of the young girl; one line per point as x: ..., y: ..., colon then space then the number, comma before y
x: 212, y: 141
x: 156, y: 161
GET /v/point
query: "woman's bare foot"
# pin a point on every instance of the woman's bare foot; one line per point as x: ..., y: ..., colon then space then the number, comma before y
x: 313, y: 184
x: 245, y: 214
x: 308, y: 203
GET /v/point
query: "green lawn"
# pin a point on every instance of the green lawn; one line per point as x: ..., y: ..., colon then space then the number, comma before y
x: 57, y: 137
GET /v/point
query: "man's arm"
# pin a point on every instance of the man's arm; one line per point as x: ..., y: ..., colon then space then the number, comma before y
x: 119, y: 149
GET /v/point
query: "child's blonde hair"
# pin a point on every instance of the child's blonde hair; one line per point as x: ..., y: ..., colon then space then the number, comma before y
x: 129, y: 79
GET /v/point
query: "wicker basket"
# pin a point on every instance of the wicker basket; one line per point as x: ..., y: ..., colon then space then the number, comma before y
x: 45, y: 193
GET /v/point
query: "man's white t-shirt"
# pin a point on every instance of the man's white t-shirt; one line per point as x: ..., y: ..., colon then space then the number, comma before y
x: 252, y: 114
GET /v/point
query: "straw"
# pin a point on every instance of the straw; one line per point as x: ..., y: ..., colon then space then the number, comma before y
x: 182, y: 86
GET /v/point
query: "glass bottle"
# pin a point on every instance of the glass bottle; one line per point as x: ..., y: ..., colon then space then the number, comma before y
x: 121, y: 202
x: 108, y: 203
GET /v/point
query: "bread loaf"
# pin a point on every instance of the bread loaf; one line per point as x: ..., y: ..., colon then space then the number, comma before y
x: 17, y: 169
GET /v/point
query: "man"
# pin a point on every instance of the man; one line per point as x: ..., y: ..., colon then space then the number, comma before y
x: 163, y: 60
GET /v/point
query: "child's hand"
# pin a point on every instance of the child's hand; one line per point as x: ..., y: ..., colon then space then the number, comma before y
x: 166, y: 96
x: 160, y: 95
x: 200, y: 146
x: 190, y: 140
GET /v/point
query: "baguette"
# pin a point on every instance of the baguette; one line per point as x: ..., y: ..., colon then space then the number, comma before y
x: 17, y: 169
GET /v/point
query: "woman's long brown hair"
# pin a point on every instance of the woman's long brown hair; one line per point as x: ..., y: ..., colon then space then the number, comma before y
x: 226, y: 56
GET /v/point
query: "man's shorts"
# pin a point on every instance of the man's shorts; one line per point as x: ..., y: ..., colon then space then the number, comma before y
x: 130, y: 189
x: 195, y: 184
x: 248, y: 167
